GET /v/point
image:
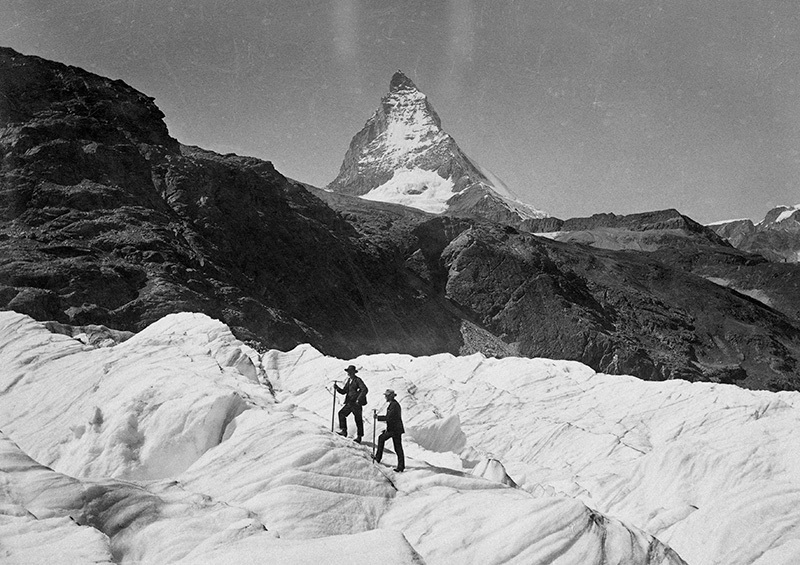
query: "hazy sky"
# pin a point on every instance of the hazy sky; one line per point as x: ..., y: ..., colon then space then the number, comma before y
x: 580, y: 106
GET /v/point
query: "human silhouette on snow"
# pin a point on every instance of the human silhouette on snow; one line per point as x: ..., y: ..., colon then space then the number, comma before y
x: 394, y: 429
x: 355, y: 396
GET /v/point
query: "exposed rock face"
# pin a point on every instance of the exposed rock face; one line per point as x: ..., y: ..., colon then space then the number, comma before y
x: 403, y: 155
x: 776, y: 237
x: 735, y: 231
x: 106, y: 220
x: 622, y: 312
x: 646, y: 231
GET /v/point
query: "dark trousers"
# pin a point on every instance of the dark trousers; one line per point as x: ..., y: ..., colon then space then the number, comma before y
x: 355, y: 410
x: 397, y: 439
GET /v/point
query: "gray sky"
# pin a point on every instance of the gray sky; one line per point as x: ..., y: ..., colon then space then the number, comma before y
x: 580, y: 106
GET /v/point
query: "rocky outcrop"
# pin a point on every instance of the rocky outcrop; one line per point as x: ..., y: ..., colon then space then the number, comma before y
x: 734, y: 231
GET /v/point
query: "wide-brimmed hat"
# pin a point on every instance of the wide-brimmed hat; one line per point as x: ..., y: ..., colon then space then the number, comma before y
x: 351, y: 369
x: 389, y: 392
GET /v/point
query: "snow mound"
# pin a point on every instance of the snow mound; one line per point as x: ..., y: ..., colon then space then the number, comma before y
x: 442, y: 434
x: 493, y: 470
x: 450, y: 525
x: 146, y: 408
x: 302, y: 482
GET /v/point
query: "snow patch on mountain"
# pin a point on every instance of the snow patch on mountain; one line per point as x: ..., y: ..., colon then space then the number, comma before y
x: 787, y: 213
x: 722, y: 222
x: 410, y: 129
x: 417, y: 188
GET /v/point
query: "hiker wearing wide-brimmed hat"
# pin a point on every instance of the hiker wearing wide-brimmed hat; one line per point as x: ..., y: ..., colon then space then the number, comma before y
x: 355, y: 396
x: 394, y: 429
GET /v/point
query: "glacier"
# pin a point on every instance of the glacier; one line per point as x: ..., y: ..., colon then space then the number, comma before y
x: 415, y: 187
x: 183, y: 445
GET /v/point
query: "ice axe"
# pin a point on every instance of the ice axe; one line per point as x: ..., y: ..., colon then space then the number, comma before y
x: 333, y: 410
x: 374, y: 425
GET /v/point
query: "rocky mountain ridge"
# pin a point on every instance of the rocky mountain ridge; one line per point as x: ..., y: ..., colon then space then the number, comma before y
x: 107, y: 220
x: 776, y: 237
x: 714, y: 252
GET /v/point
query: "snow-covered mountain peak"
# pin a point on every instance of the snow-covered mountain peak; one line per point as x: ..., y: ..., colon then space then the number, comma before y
x: 403, y: 155
x: 405, y: 125
x: 782, y: 217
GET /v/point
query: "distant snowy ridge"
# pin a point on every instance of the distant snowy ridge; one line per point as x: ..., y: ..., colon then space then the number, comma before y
x: 721, y: 222
x: 777, y: 215
x: 776, y: 237
x: 253, y: 474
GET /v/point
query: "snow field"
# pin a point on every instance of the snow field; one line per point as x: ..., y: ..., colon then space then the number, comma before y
x: 146, y: 451
x: 171, y: 448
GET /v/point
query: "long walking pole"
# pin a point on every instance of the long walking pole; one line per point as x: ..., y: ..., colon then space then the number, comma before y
x: 374, y: 421
x: 333, y: 410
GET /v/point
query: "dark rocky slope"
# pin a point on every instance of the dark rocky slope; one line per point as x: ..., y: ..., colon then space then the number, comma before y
x: 105, y: 219
x: 625, y: 312
x: 757, y: 265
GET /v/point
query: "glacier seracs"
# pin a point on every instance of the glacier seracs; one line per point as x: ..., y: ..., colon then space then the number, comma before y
x: 170, y: 447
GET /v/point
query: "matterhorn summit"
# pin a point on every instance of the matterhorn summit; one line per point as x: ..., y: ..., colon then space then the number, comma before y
x: 402, y: 155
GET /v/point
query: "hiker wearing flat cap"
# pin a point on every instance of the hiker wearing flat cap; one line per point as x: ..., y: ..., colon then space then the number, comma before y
x: 355, y: 396
x: 394, y: 429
